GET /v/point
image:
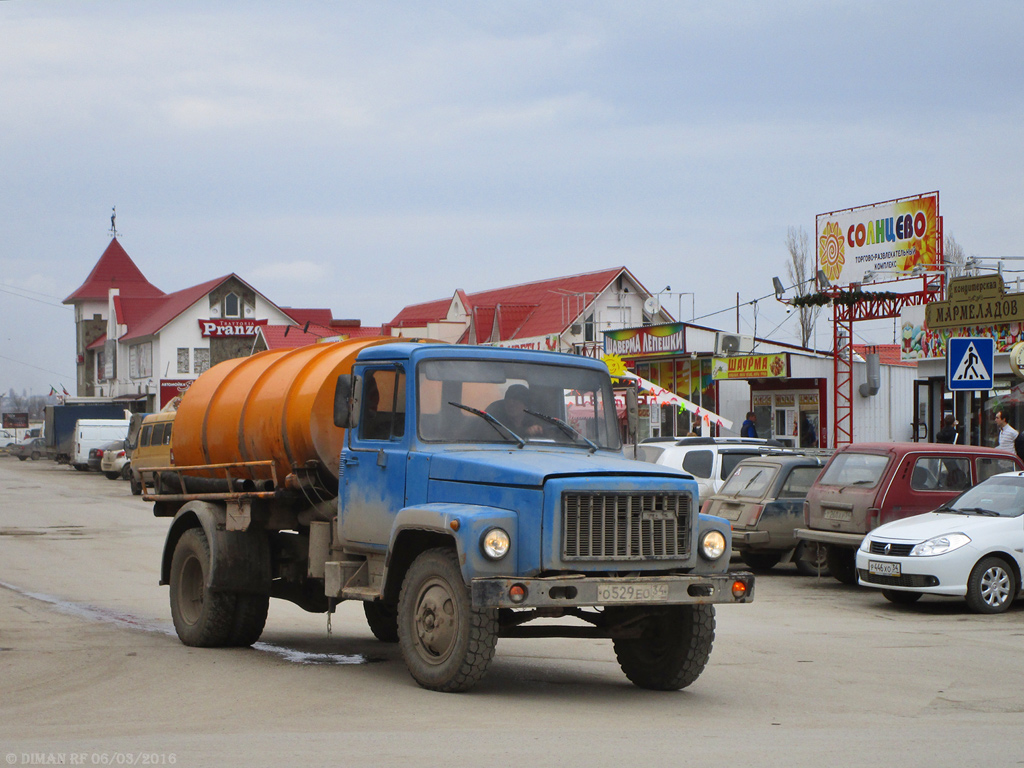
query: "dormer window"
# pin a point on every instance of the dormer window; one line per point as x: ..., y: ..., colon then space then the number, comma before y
x: 232, y: 306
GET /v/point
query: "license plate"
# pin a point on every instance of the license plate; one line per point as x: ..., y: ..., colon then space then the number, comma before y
x: 876, y: 568
x: 845, y: 515
x: 631, y: 593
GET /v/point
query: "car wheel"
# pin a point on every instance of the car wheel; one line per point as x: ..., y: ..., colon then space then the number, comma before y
x: 135, y: 484
x: 112, y: 475
x: 991, y: 587
x: 899, y: 597
x: 761, y: 561
x: 126, y: 472
x: 811, y: 559
x: 35, y: 455
x: 842, y: 562
x: 22, y: 458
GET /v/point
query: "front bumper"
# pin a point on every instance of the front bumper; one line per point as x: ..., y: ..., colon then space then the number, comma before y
x: 583, y: 591
x: 936, y: 575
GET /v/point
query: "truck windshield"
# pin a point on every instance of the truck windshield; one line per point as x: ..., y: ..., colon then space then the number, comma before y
x: 861, y: 469
x: 519, y: 395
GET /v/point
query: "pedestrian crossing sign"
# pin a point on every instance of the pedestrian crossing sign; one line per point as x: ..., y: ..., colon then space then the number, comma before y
x: 970, y: 363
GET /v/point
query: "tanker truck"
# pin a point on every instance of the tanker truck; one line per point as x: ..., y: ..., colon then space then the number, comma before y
x: 461, y: 493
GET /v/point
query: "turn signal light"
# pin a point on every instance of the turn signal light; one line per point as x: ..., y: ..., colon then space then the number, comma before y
x: 517, y: 593
x: 739, y: 589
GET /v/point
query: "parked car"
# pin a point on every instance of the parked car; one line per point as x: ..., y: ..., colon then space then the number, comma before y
x: 7, y: 439
x: 96, y: 454
x: 972, y: 546
x: 763, y: 498
x: 152, y: 449
x: 866, y: 485
x: 708, y: 459
x: 34, y: 449
x: 115, y: 463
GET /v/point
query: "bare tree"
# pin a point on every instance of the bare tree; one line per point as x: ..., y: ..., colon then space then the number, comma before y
x: 800, y: 271
x: 954, y: 256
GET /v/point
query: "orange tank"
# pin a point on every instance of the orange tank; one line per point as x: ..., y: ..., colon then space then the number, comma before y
x: 276, y: 405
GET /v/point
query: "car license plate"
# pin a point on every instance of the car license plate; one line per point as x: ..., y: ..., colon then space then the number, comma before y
x: 876, y: 568
x: 631, y: 593
x: 844, y: 515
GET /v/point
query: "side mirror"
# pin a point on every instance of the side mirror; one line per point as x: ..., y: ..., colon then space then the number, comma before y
x: 632, y: 413
x: 345, y: 401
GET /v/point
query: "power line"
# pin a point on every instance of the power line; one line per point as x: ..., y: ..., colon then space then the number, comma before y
x: 30, y: 298
x: 29, y: 365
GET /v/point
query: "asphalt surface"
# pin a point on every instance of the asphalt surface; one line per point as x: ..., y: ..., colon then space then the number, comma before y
x: 811, y: 673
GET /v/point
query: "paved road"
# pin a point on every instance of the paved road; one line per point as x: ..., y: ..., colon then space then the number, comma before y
x: 812, y: 673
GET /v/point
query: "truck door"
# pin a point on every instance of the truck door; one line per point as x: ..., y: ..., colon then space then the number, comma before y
x: 374, y: 461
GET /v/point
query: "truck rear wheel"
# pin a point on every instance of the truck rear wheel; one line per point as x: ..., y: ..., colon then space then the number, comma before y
x: 201, y: 617
x: 447, y: 644
x: 383, y: 620
x: 842, y: 562
x: 249, y: 620
x: 673, y: 650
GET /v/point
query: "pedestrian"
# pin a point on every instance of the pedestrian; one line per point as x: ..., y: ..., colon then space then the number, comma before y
x: 808, y: 434
x: 948, y: 433
x: 749, y: 428
x: 1007, y: 434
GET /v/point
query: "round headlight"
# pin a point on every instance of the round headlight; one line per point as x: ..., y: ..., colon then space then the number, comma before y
x: 712, y: 545
x: 495, y: 543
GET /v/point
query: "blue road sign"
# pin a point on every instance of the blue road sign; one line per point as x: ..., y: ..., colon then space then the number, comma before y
x: 970, y: 363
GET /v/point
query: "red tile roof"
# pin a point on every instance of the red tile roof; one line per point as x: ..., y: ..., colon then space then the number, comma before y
x: 115, y: 269
x: 888, y: 354
x: 524, y: 311
x: 291, y: 336
x: 146, y: 317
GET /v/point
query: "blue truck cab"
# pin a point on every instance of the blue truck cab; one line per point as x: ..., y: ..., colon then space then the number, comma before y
x: 481, y: 488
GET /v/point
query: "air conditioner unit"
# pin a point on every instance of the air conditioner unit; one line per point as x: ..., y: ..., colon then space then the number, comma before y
x: 733, y: 344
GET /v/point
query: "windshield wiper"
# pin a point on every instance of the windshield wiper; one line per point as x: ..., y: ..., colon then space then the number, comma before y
x: 977, y: 511
x: 498, y: 426
x: 564, y: 427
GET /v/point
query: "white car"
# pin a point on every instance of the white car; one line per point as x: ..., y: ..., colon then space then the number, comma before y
x: 972, y: 546
x: 708, y: 459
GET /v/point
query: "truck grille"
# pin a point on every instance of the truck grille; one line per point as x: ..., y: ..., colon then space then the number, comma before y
x: 625, y: 526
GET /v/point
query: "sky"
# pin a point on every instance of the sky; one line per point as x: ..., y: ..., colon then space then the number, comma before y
x: 367, y: 156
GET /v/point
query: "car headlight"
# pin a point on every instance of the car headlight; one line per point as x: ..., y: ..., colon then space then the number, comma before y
x: 495, y: 543
x: 940, y: 545
x: 712, y: 545
x: 865, y: 544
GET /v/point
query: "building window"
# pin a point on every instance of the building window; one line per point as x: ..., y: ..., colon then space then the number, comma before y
x: 183, y: 359
x: 588, y: 328
x: 200, y: 360
x: 140, y: 360
x: 232, y: 306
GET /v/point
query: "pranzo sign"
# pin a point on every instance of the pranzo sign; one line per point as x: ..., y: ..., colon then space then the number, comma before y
x: 216, y: 328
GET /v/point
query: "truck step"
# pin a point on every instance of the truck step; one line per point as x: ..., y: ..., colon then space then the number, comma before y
x: 360, y: 593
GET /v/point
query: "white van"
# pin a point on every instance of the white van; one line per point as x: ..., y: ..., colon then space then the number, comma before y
x: 95, y: 433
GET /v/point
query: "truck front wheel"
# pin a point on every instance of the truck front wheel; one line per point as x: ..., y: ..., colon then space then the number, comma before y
x: 447, y: 644
x: 201, y: 617
x: 673, y: 650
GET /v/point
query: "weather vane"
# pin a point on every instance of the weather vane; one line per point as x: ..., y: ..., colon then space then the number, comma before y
x: 113, y: 219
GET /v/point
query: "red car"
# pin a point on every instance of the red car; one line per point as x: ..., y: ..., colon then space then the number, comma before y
x: 867, y: 484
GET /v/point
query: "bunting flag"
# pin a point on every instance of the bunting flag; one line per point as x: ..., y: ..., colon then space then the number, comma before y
x: 66, y: 393
x: 663, y: 396
x: 52, y: 392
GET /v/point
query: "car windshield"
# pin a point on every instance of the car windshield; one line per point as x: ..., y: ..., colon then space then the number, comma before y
x: 860, y: 469
x: 749, y: 481
x: 996, y: 497
x: 459, y: 401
